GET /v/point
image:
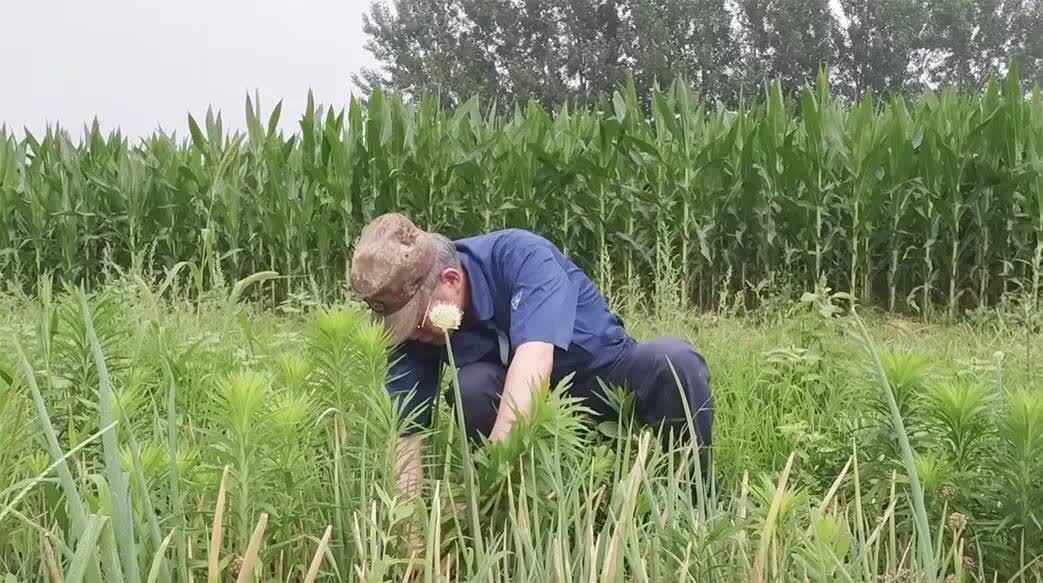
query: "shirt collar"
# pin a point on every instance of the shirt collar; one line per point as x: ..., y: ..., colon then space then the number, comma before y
x: 481, y: 305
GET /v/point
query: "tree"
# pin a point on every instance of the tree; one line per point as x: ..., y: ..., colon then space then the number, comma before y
x: 548, y: 50
x: 598, y: 37
x: 1029, y: 55
x: 557, y: 51
x: 421, y: 47
x: 876, y: 46
x: 691, y: 38
x: 787, y: 40
x: 527, y: 44
x: 967, y: 40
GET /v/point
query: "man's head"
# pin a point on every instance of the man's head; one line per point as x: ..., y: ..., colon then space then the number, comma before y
x: 401, y: 271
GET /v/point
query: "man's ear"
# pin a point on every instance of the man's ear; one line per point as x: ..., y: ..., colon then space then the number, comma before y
x: 452, y: 277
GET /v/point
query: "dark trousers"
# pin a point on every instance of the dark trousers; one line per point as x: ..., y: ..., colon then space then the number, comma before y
x: 644, y: 369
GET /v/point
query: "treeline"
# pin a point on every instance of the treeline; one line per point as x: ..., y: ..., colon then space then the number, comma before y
x: 574, y: 51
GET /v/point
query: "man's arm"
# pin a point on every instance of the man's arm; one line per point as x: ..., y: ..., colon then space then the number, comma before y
x: 408, y: 469
x: 543, y: 314
x: 412, y: 371
x: 408, y: 475
x: 530, y: 366
x: 412, y: 378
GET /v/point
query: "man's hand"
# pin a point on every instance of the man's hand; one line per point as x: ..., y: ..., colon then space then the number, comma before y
x: 408, y: 474
x: 408, y: 470
x: 530, y: 366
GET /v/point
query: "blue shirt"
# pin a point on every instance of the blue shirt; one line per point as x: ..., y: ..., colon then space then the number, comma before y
x: 522, y: 289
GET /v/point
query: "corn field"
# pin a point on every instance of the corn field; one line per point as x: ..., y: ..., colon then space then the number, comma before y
x: 909, y: 205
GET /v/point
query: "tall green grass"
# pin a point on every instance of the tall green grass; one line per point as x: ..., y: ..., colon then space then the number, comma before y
x: 915, y: 204
x: 177, y: 440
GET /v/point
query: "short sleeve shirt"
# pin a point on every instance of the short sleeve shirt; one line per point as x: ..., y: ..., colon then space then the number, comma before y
x: 522, y: 289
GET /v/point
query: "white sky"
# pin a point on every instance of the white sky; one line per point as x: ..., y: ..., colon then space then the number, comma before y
x: 143, y: 64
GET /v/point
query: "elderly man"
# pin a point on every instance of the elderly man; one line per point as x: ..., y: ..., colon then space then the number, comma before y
x: 528, y: 315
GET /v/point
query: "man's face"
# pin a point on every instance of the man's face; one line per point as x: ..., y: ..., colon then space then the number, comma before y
x: 448, y: 290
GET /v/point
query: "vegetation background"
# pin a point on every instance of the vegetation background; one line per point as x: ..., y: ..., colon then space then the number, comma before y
x: 577, y: 51
x: 840, y: 204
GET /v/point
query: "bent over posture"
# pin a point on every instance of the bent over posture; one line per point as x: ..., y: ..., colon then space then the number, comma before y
x: 529, y: 315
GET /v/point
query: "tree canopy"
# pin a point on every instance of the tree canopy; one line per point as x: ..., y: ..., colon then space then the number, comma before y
x: 558, y: 51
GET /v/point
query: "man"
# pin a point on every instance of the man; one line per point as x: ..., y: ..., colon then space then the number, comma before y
x: 529, y: 315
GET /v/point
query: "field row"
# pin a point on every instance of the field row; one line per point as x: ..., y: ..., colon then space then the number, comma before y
x: 933, y: 202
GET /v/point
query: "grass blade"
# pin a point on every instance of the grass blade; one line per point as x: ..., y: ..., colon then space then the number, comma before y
x: 608, y: 571
x: 158, y: 561
x: 85, y: 550
x: 147, y: 509
x: 72, y: 494
x: 216, y: 533
x: 52, y: 566
x: 10, y: 506
x: 923, y: 528
x: 316, y: 560
x: 173, y: 477
x: 768, y: 531
x: 124, y: 525
x: 243, y: 284
x: 250, y: 558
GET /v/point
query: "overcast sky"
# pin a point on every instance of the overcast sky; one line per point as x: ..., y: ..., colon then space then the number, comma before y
x: 141, y: 64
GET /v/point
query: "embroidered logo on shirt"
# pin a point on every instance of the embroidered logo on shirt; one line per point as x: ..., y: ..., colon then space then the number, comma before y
x: 515, y: 301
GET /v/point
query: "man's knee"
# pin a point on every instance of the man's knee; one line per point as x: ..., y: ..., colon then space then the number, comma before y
x: 672, y: 383
x: 481, y: 384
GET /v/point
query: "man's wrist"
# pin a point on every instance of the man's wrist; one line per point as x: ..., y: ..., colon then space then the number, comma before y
x: 499, y: 431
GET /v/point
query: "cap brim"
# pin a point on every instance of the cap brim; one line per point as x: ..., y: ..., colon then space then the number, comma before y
x: 401, y: 324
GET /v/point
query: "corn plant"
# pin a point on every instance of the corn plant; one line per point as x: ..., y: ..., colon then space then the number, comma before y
x: 923, y: 203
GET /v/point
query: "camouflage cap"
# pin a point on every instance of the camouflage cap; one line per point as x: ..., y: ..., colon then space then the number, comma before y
x: 392, y: 260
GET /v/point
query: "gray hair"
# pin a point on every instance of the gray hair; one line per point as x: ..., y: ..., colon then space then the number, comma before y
x: 446, y: 256
x: 445, y: 253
